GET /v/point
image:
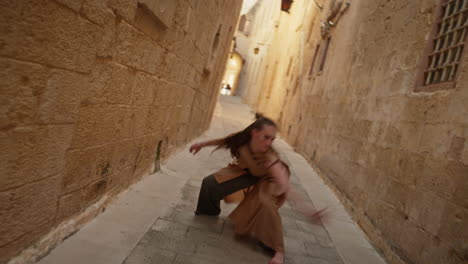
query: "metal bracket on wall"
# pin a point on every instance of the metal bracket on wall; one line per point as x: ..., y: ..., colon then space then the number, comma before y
x: 332, y: 20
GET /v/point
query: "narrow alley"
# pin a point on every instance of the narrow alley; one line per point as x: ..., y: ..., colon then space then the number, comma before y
x: 153, y: 221
x: 362, y: 106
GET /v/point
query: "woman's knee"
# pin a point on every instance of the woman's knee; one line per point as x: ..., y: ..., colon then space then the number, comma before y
x: 209, y: 182
x: 207, y: 179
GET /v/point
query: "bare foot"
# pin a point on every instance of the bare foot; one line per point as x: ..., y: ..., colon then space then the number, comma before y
x: 278, y: 258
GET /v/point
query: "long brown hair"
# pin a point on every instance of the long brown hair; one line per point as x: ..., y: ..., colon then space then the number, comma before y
x: 235, y: 141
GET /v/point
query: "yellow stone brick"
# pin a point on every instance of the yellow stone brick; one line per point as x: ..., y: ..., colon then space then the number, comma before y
x: 61, y: 98
x: 20, y: 85
x: 32, y: 153
x: 48, y: 33
x: 28, y: 207
x: 136, y: 50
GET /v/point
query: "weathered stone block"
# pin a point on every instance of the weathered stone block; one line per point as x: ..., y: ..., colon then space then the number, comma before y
x: 142, y: 169
x: 392, y: 137
x: 453, y: 227
x: 94, y: 192
x: 385, y: 219
x: 162, y: 93
x: 125, y: 122
x: 95, y: 11
x: 125, y: 154
x: 437, y: 251
x: 111, y: 83
x: 456, y: 147
x: 32, y: 153
x: 188, y: 94
x: 149, y: 147
x: 176, y: 72
x: 48, y: 33
x: 119, y: 180
x: 144, y: 90
x: 124, y: 8
x: 73, y: 4
x: 98, y: 124
x: 436, y: 139
x: 184, y: 49
x: 458, y: 174
x: 21, y: 85
x: 433, y: 108
x: 464, y: 154
x: 411, y: 167
x: 106, y: 45
x: 86, y: 166
x: 79, y: 170
x: 411, y: 133
x: 182, y: 14
x: 434, y: 177
x: 172, y: 40
x: 136, y: 50
x: 25, y: 208
x: 14, y: 248
x: 387, y: 161
x: 140, y: 117
x: 155, y: 119
x: 396, y: 195
x: 69, y: 205
x: 61, y: 98
x: 425, y: 210
x: 458, y: 108
x: 412, y: 241
x: 164, y: 10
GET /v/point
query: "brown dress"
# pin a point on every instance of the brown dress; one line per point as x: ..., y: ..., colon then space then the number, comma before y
x: 256, y: 164
x: 257, y: 214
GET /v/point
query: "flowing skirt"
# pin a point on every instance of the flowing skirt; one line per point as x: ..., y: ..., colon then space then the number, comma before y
x: 257, y: 215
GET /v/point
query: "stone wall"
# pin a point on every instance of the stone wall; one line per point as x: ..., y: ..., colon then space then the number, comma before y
x: 91, y: 92
x: 396, y: 157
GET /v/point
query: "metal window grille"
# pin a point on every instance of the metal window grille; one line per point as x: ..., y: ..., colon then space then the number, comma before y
x: 448, y: 42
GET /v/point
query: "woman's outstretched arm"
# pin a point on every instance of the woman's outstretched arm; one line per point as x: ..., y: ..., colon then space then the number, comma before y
x: 198, y: 146
x: 280, y: 174
x: 305, y: 207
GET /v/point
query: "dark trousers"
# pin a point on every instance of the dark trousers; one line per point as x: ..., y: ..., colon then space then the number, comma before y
x: 212, y: 192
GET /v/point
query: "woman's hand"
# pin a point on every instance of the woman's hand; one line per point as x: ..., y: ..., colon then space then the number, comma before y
x: 316, y: 216
x: 195, y: 148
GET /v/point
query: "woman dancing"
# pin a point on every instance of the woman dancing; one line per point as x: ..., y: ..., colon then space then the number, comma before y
x: 264, y: 177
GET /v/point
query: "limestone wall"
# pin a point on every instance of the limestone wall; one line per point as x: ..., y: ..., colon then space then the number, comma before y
x: 89, y: 90
x: 396, y: 157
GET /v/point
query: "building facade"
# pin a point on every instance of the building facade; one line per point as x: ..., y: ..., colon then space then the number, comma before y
x: 95, y: 95
x: 374, y: 94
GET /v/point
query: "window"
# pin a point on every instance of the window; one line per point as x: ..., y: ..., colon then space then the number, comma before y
x: 286, y: 5
x: 242, y: 23
x: 444, y: 52
x: 324, y: 54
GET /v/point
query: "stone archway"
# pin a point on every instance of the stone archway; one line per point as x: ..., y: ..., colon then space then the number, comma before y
x: 232, y: 72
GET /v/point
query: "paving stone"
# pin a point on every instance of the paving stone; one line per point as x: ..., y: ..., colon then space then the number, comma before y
x: 318, y: 251
x: 150, y: 255
x: 208, y: 223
